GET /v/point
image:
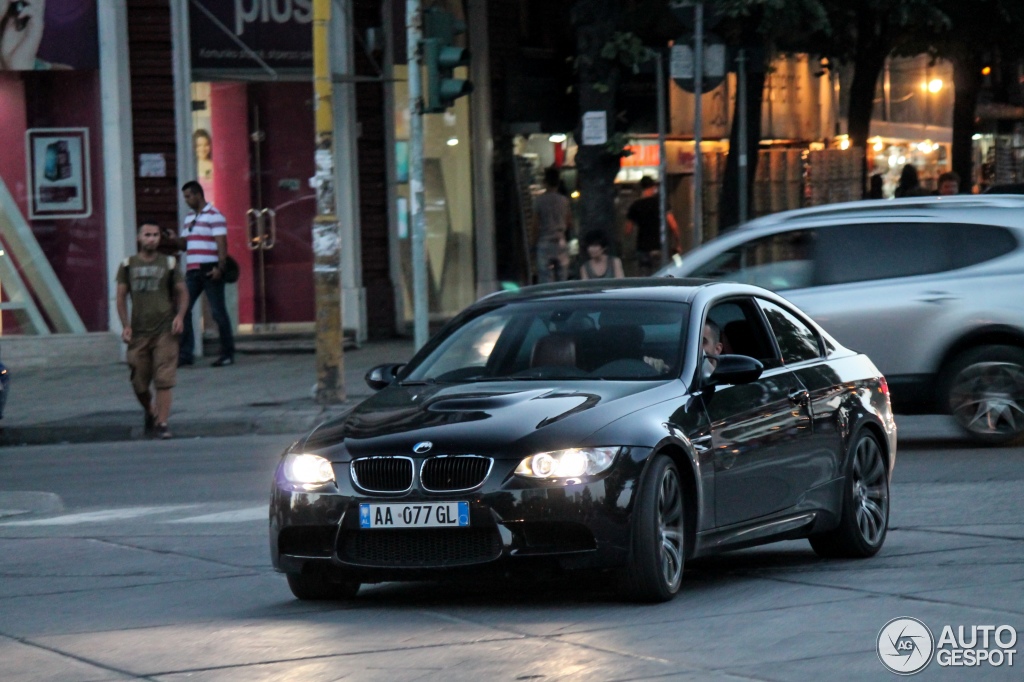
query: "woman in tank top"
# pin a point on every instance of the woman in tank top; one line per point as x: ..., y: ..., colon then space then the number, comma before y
x: 599, y: 265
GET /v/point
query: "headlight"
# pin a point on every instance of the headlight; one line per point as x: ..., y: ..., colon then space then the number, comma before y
x: 307, y: 469
x: 572, y: 463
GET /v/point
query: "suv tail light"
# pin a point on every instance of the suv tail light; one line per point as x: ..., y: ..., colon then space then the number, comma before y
x: 883, y: 386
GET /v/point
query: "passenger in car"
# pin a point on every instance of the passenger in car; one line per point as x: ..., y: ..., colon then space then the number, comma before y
x: 711, y: 344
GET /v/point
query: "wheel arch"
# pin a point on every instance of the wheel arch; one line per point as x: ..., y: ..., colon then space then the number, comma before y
x: 691, y: 493
x: 991, y: 335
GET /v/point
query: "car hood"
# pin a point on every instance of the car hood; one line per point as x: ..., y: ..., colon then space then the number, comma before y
x: 498, y: 419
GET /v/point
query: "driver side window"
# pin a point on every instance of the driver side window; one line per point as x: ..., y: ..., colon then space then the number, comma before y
x: 743, y: 331
x: 777, y: 262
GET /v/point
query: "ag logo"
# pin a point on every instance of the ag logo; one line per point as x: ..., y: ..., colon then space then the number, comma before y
x: 905, y: 646
x: 422, y: 447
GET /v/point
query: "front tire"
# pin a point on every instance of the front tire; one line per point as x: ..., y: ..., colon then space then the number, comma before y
x: 864, y: 519
x: 658, y: 552
x: 984, y: 391
x: 321, y: 586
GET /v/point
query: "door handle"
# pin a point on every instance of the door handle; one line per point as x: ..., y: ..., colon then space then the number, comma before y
x: 937, y: 297
x: 800, y: 397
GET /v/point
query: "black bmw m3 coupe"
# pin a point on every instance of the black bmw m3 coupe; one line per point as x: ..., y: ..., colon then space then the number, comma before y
x: 616, y: 426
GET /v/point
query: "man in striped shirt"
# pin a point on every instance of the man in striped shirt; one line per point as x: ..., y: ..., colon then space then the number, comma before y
x: 204, y: 239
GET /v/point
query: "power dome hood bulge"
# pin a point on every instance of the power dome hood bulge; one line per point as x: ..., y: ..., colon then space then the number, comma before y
x: 487, y: 417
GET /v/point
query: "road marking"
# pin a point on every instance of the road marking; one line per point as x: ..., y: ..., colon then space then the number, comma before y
x: 259, y: 513
x: 102, y: 516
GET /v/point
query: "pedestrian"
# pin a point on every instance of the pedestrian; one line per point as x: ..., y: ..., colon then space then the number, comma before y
x: 159, y: 306
x: 552, y: 222
x: 909, y: 184
x: 599, y: 265
x: 876, y: 187
x: 204, y: 240
x: 949, y: 184
x: 644, y: 216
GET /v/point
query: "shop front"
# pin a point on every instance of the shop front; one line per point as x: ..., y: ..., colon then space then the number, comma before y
x: 252, y: 141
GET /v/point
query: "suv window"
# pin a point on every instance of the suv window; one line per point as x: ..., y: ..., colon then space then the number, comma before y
x: 797, y: 341
x: 779, y: 261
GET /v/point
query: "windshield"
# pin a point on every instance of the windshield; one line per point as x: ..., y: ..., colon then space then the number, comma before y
x: 564, y: 339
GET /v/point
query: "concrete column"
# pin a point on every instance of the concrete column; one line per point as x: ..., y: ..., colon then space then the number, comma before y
x: 118, y: 156
x: 346, y: 169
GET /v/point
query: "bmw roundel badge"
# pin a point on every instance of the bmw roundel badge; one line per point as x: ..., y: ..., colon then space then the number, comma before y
x: 422, y: 447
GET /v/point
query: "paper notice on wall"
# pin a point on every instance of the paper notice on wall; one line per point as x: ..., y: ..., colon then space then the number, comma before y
x: 595, y: 127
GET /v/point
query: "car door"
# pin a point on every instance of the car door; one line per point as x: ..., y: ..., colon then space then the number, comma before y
x: 819, y: 459
x: 877, y: 292
x: 757, y: 429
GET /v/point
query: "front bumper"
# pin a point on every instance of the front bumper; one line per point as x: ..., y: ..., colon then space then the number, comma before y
x: 512, y: 522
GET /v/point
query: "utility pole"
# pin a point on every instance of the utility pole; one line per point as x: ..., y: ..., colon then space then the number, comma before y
x: 662, y: 161
x: 698, y: 158
x: 414, y: 35
x: 741, y: 79
x: 330, y: 358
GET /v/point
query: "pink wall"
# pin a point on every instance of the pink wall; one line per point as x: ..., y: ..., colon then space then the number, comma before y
x: 229, y: 129
x: 76, y: 249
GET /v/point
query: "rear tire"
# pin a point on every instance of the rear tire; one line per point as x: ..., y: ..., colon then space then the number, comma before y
x: 658, y: 552
x: 321, y: 586
x: 864, y: 519
x: 983, y: 388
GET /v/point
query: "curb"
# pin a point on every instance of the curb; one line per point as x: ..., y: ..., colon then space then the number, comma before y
x: 297, y: 425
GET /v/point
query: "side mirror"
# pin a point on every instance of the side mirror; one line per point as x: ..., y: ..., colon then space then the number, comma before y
x: 736, y: 369
x: 382, y: 376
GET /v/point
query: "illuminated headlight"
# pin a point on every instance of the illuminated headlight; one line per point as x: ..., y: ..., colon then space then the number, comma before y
x: 573, y: 463
x: 307, y: 469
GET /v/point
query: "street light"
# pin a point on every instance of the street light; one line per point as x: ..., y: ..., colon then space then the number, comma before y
x: 934, y: 85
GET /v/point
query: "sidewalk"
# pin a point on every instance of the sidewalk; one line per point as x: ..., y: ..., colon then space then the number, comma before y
x: 260, y: 394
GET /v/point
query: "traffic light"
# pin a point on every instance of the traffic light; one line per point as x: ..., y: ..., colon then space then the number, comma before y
x: 441, y: 57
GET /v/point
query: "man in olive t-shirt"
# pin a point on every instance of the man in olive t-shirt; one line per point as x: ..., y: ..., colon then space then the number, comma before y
x: 159, y: 302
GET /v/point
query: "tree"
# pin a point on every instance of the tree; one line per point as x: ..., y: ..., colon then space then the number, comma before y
x: 864, y: 33
x: 973, y: 34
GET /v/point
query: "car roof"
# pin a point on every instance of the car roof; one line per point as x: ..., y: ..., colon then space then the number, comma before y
x: 636, y: 288
x: 1007, y: 208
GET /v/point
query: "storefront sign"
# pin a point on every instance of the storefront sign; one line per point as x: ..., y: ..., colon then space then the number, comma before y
x: 58, y: 172
x: 63, y: 37
x: 254, y: 36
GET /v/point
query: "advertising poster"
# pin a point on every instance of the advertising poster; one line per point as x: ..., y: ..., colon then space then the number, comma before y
x: 55, y: 34
x: 58, y: 172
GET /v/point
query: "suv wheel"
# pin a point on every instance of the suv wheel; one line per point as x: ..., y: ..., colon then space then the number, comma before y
x: 984, y: 391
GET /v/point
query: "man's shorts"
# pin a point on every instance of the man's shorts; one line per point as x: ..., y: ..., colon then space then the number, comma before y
x: 153, y: 359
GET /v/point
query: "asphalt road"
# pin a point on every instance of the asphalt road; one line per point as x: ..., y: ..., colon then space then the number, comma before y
x: 156, y: 568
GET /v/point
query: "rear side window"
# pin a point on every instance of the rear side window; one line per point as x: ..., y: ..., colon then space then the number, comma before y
x: 857, y: 253
x: 797, y: 341
x: 973, y: 244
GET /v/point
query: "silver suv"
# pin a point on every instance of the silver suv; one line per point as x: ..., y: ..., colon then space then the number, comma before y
x: 930, y: 288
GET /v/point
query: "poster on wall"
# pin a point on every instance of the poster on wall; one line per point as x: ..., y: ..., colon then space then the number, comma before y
x: 58, y: 172
x: 50, y: 35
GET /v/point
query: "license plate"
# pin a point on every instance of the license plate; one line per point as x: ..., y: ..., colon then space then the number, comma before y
x: 422, y: 515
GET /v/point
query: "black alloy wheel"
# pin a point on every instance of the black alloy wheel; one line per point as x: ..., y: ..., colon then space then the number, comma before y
x: 865, y: 514
x: 984, y: 391
x: 658, y: 553
x: 321, y: 586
